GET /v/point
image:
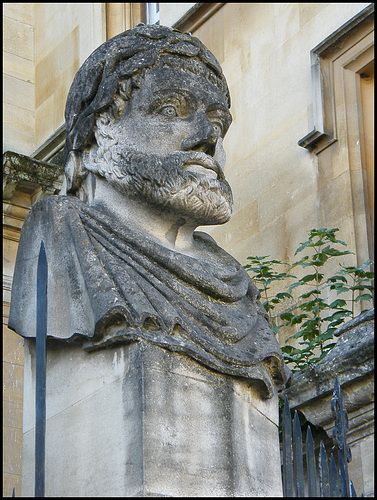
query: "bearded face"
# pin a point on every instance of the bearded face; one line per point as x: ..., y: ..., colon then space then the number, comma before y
x: 166, y: 147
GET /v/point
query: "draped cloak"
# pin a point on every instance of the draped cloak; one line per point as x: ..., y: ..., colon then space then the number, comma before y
x: 108, y: 283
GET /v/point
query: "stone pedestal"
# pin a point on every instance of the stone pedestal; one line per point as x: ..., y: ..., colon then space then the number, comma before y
x: 137, y: 420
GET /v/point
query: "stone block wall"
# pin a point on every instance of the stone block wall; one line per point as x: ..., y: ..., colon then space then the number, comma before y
x: 18, y: 77
x: 281, y: 190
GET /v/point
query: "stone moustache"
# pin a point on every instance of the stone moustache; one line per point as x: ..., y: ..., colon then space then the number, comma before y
x: 145, y: 119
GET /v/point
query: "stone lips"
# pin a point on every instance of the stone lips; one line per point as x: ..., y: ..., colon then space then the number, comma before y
x: 206, y: 162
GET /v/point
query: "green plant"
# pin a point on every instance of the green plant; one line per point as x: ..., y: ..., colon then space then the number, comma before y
x: 264, y: 276
x: 317, y: 317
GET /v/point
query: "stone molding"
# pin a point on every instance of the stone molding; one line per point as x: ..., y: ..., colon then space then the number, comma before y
x: 365, y: 316
x: 322, y: 59
x: 360, y: 424
x: 29, y: 175
x: 196, y: 16
x: 51, y: 146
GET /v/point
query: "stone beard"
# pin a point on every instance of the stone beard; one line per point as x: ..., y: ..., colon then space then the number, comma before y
x: 164, y: 182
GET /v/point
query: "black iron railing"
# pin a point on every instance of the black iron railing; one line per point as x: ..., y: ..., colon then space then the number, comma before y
x: 333, y: 480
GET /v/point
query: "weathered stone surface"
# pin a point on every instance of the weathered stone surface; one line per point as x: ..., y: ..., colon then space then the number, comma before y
x: 158, y: 423
x: 21, y: 170
x: 353, y: 323
x: 161, y: 98
x: 351, y: 359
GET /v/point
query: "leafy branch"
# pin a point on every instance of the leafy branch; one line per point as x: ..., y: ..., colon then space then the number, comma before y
x: 316, y: 317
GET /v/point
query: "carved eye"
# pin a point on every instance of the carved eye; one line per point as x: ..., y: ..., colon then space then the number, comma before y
x: 169, y: 111
x: 218, y: 126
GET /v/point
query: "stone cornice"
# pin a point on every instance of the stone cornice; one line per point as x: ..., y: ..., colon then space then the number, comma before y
x: 324, y: 131
x: 29, y: 174
x: 352, y: 359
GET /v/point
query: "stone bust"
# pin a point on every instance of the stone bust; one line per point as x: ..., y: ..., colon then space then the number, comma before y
x: 145, y: 120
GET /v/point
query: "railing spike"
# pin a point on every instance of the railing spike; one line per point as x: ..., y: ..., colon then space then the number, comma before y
x: 324, y: 475
x: 352, y: 490
x: 334, y: 478
x: 340, y: 436
x: 40, y: 389
x: 298, y: 463
x: 333, y: 481
x: 310, y: 463
x: 288, y: 484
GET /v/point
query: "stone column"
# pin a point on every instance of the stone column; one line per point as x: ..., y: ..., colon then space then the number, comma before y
x: 138, y: 420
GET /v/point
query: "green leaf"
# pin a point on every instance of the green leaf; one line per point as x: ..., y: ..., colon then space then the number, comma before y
x: 314, y: 305
x: 327, y: 335
x: 337, y: 303
x: 333, y: 252
x: 298, y: 319
x: 290, y: 350
x: 309, y: 277
x: 365, y: 296
x: 294, y: 285
x: 358, y: 287
x: 300, y: 262
x: 286, y: 316
x: 339, y: 315
x: 339, y: 289
x: 309, y: 294
x: 302, y: 247
x: 337, y: 277
x: 283, y: 295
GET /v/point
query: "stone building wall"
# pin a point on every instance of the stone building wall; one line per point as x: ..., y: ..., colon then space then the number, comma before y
x: 281, y: 190
x: 18, y: 77
x: 65, y: 35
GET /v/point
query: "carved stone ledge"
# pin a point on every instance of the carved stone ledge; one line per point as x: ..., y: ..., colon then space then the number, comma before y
x: 196, y: 16
x: 360, y: 424
x: 29, y: 175
x: 352, y: 359
x: 51, y: 147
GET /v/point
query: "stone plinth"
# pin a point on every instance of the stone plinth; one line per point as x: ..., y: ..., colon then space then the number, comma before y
x: 137, y: 420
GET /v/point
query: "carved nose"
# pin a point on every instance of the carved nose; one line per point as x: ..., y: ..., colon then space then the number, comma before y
x: 203, y: 139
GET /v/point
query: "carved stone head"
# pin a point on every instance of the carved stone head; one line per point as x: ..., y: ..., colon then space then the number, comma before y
x: 148, y: 111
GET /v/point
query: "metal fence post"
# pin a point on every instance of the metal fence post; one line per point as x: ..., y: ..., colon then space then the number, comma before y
x: 40, y: 389
x: 339, y: 434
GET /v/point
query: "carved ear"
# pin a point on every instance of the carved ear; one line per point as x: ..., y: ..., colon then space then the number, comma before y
x: 75, y: 172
